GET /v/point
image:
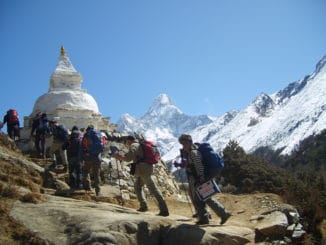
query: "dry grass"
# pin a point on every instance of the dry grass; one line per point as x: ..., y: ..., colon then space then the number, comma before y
x: 33, y: 197
x: 8, y: 190
x: 14, y: 175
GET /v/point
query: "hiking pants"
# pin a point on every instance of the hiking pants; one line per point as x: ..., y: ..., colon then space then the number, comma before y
x: 192, y: 191
x: 200, y: 206
x: 74, y: 172
x: 94, y: 169
x: 143, y: 176
x: 57, y: 147
x: 13, y: 131
x: 40, y: 144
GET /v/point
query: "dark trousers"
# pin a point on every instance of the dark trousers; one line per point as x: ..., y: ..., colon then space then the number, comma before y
x: 75, y: 172
x: 13, y: 131
x: 40, y: 144
x: 201, y: 206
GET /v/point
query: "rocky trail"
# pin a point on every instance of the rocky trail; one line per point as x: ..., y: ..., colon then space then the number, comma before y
x: 50, y: 213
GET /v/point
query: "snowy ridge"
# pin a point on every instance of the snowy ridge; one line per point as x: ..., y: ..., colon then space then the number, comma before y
x: 280, y: 120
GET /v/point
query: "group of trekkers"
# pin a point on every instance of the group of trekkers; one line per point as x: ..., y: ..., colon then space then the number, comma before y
x: 76, y: 151
x: 80, y: 153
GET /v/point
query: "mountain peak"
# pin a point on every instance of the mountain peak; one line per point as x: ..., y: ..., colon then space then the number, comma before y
x: 162, y: 99
x: 161, y: 105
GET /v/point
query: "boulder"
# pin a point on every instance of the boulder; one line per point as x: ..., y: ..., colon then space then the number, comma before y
x: 272, y: 224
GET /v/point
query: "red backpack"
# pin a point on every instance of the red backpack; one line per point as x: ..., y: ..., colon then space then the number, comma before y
x: 13, y: 116
x: 151, y: 153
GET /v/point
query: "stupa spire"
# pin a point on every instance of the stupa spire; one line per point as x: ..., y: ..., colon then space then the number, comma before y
x: 63, y: 51
x: 65, y: 76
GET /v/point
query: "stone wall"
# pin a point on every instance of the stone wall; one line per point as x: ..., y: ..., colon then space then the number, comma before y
x: 118, y: 173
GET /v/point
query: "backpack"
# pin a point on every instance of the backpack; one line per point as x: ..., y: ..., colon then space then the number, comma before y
x: 151, y: 153
x: 92, y: 142
x: 74, y: 144
x: 43, y: 126
x: 13, y: 116
x: 213, y: 162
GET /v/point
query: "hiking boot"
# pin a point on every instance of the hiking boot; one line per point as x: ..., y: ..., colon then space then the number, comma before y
x: 163, y: 213
x: 203, y: 221
x: 225, y: 218
x: 142, y: 209
x: 196, y: 216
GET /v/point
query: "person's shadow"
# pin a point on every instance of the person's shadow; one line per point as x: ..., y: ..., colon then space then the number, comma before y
x: 192, y: 234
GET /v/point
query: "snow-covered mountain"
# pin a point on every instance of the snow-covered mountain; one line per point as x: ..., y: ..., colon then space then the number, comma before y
x: 280, y: 120
x: 163, y: 122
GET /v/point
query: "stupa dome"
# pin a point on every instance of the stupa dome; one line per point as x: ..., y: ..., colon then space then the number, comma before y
x: 65, y: 100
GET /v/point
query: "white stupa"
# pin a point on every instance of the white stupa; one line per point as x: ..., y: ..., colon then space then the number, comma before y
x: 67, y: 101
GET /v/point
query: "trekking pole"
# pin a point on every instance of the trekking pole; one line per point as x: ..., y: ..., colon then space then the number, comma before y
x: 186, y: 194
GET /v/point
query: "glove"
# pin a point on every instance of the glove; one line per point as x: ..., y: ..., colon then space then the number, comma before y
x: 180, y: 162
x: 184, y: 162
x: 176, y: 164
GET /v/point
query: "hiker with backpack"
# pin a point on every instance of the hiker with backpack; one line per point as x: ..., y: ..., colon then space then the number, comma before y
x: 195, y: 169
x: 41, y: 128
x: 74, y: 148
x: 12, y: 120
x: 59, y: 145
x: 92, y: 147
x: 143, y: 154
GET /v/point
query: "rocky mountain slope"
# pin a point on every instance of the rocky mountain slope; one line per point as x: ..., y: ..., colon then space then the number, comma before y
x: 35, y: 212
x: 279, y: 120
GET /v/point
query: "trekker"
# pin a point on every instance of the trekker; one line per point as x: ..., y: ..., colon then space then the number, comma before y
x: 74, y: 157
x: 41, y: 128
x: 196, y: 177
x: 92, y: 147
x: 12, y: 120
x: 143, y: 176
x: 59, y: 144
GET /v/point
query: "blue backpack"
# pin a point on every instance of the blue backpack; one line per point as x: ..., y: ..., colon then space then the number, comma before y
x: 43, y: 126
x: 213, y: 162
x: 92, y: 142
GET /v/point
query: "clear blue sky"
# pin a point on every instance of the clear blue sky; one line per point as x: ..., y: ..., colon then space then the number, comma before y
x: 209, y: 56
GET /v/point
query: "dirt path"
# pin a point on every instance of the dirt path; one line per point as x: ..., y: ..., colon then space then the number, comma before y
x: 242, y: 207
